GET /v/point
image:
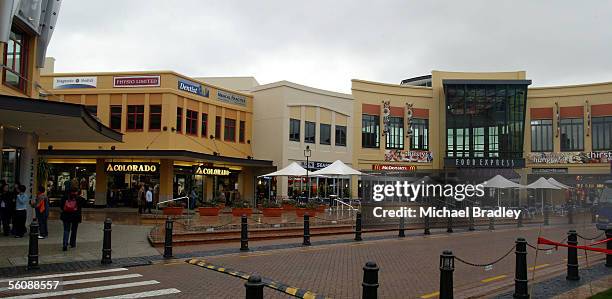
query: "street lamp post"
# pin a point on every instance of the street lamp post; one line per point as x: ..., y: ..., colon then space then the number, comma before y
x: 307, y: 153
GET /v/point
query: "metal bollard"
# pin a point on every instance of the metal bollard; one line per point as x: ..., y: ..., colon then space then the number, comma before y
x: 402, y: 227
x: 609, y: 247
x: 306, y: 241
x: 106, y: 243
x: 519, y: 223
x: 244, y: 234
x: 33, y: 248
x: 449, y: 225
x: 520, y: 275
x: 427, y: 226
x: 447, y: 266
x: 254, y: 287
x: 358, y: 228
x: 370, y: 281
x: 491, y: 223
x: 168, y: 241
x: 471, y: 223
x: 546, y: 216
x: 572, y: 256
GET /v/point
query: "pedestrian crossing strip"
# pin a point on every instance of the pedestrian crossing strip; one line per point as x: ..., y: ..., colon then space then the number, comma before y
x: 89, y: 284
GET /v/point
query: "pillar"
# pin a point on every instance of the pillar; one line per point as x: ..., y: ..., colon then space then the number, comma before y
x: 210, y: 189
x: 1, y: 146
x: 101, y: 183
x: 29, y: 166
x: 166, y: 176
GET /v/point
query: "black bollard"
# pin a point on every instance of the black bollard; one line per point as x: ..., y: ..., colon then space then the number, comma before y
x: 244, y: 234
x: 520, y: 275
x: 254, y: 287
x: 609, y: 247
x: 33, y: 248
x: 168, y: 241
x: 546, y: 216
x: 427, y: 226
x: 447, y: 266
x: 402, y: 227
x: 570, y: 215
x: 572, y: 256
x: 471, y: 222
x: 306, y: 241
x: 491, y: 223
x: 449, y: 225
x: 358, y: 228
x: 370, y: 281
x: 519, y: 223
x: 106, y: 243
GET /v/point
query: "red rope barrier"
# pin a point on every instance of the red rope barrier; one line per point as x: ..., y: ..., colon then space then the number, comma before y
x: 556, y: 244
x: 601, y: 242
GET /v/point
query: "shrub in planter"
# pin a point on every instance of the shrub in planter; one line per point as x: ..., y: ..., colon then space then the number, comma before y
x: 240, y: 208
x: 209, y: 208
x: 289, y: 205
x: 271, y: 209
x: 173, y: 211
x: 302, y: 209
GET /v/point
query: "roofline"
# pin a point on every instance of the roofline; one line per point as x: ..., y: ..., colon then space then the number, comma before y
x: 305, y: 88
x: 391, y: 84
x: 416, y: 79
x: 485, y: 81
x: 571, y: 86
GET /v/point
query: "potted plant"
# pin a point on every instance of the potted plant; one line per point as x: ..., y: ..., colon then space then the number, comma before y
x: 310, y: 208
x: 289, y: 205
x: 241, y: 207
x: 209, y: 208
x: 321, y: 207
x: 173, y: 208
x: 271, y: 208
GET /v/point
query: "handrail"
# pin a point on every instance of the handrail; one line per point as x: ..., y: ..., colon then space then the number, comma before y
x: 174, y: 199
x: 344, y: 203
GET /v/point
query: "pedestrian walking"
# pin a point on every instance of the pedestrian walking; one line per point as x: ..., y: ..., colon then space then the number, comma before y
x: 141, y: 199
x: 71, y: 217
x: 149, y: 199
x: 6, y: 212
x: 41, y: 208
x: 21, y: 206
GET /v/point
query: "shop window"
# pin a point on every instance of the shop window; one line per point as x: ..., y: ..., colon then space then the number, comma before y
x: 204, y: 125
x: 493, y: 142
x: 15, y: 70
x: 340, y: 135
x: 310, y: 132
x: 115, y: 117
x: 395, y: 136
x: 370, y: 131
x: 135, y: 117
x: 420, y: 134
x: 218, y: 127
x: 179, y: 119
x: 155, y: 117
x: 542, y: 135
x: 230, y: 130
x: 294, y: 130
x: 325, y: 134
x: 572, y: 134
x: 479, y: 142
x: 93, y: 110
x: 241, y: 132
x: 602, y: 131
x: 191, y: 122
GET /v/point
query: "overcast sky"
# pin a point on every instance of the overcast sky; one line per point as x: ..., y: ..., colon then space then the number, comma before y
x: 325, y: 44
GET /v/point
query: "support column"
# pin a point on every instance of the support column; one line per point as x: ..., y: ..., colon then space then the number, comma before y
x: 101, y: 183
x: 29, y: 167
x: 166, y: 175
x: 1, y: 145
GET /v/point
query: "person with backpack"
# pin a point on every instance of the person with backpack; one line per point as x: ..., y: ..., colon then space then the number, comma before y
x: 41, y: 207
x: 21, y: 212
x: 71, y: 216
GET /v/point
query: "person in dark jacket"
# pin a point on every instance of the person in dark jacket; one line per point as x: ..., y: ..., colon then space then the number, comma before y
x: 71, y: 206
x: 5, y: 209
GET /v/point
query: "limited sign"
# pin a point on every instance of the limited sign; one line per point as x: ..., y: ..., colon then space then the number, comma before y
x: 391, y: 167
x: 484, y: 163
x: 207, y: 170
x: 131, y: 167
x: 136, y: 81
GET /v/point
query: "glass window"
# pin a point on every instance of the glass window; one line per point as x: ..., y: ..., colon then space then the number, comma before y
x: 93, y: 109
x: 155, y: 117
x: 135, y: 117
x: 179, y: 119
x: 115, y: 117
x: 230, y: 130
x: 340, y: 135
x: 15, y: 71
x: 191, y: 122
x: 479, y: 142
x: 602, y: 129
x: 572, y: 134
x: 310, y: 132
x: 294, y: 129
x: 325, y: 134
x: 541, y: 135
x: 420, y: 134
x: 242, y: 131
x: 370, y: 131
x: 493, y: 142
x: 204, y: 125
x: 218, y: 127
x: 395, y: 136
x: 450, y: 143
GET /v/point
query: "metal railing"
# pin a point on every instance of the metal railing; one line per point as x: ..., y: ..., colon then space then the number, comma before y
x: 340, y: 207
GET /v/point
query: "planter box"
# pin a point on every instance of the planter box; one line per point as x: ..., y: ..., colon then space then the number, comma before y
x: 173, y: 211
x: 242, y: 211
x: 272, y: 212
x: 321, y: 208
x: 288, y: 207
x: 299, y: 212
x: 209, y: 211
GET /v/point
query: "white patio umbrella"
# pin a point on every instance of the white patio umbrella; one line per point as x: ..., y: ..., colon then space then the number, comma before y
x: 292, y: 169
x: 337, y: 170
x: 542, y: 183
x: 500, y: 182
x: 558, y: 184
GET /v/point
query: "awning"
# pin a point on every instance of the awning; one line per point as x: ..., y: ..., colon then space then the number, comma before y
x: 54, y: 121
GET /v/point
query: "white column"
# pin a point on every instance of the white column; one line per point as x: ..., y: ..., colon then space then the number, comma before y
x: 29, y: 167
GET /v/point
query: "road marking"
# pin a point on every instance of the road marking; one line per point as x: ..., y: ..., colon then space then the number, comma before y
x: 144, y: 294
x: 88, y: 280
x: 65, y: 274
x: 87, y: 290
x: 539, y: 266
x: 494, y: 278
x: 430, y: 295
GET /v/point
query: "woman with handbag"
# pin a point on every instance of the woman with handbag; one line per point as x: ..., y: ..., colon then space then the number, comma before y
x: 71, y: 217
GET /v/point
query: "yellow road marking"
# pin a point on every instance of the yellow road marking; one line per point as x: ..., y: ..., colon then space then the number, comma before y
x: 430, y: 295
x: 494, y: 278
x: 255, y: 254
x: 291, y: 291
x: 174, y: 263
x: 539, y: 266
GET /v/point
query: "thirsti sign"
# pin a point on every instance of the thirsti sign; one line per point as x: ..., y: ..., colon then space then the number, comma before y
x: 134, y: 167
x: 205, y: 170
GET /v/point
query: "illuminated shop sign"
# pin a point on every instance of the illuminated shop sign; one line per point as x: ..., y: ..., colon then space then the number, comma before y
x: 207, y: 170
x: 131, y: 167
x: 231, y: 98
x: 314, y: 164
x: 391, y: 167
x: 484, y: 163
x: 569, y: 158
x: 75, y: 82
x: 549, y: 170
x: 193, y: 87
x: 136, y: 81
x: 408, y: 156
